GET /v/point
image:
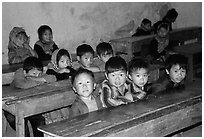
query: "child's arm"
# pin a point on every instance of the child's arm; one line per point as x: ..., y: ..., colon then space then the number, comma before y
x: 93, y: 69
x: 141, y: 94
x: 41, y: 54
x: 20, y: 81
x: 108, y: 99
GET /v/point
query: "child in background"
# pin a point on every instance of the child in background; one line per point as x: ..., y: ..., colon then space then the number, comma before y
x: 85, y: 55
x: 138, y: 73
x: 45, y: 46
x: 104, y: 51
x: 84, y: 85
x: 60, y: 65
x: 169, y: 19
x: 18, y: 47
x: 114, y: 89
x: 176, y: 66
x: 144, y: 29
x: 159, y: 46
x: 31, y: 74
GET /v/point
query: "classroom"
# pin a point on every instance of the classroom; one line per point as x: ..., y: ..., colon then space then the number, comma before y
x: 111, y: 44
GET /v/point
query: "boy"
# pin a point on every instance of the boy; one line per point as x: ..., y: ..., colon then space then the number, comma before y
x: 138, y: 73
x: 114, y: 89
x: 176, y: 66
x: 104, y: 52
x: 87, y: 100
x: 85, y: 55
x: 144, y: 29
x: 31, y: 74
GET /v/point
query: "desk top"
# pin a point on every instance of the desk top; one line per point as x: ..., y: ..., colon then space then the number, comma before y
x: 111, y: 120
x: 189, y: 48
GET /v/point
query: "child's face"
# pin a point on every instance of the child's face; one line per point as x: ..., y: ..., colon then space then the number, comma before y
x: 139, y: 77
x: 47, y: 36
x: 177, y: 74
x: 64, y: 62
x: 117, y: 78
x: 86, y: 60
x: 162, y: 32
x: 84, y: 85
x: 105, y: 57
x: 21, y: 39
x: 34, y: 73
x: 147, y: 26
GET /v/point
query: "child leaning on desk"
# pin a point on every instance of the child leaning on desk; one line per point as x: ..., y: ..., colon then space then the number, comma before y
x: 31, y: 74
x: 85, y: 54
x: 87, y: 99
x: 176, y: 69
x: 138, y: 73
x: 114, y: 89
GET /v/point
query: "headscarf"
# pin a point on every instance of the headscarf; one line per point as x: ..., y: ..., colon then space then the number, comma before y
x: 13, y: 40
x: 53, y: 63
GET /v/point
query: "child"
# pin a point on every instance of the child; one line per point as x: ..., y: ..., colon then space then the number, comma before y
x: 104, y: 51
x: 31, y: 74
x: 176, y: 66
x: 60, y: 65
x: 138, y: 73
x: 160, y: 44
x: 84, y: 85
x: 114, y: 90
x: 169, y: 18
x: 85, y: 55
x: 18, y: 47
x: 144, y: 29
x: 45, y: 46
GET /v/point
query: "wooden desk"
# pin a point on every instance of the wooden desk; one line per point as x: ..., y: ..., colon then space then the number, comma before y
x: 39, y: 99
x: 158, y: 116
x: 134, y: 45
x: 190, y: 50
x: 36, y: 100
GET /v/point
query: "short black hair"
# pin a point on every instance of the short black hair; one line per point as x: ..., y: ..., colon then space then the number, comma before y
x: 115, y: 63
x: 104, y: 48
x: 176, y: 59
x: 172, y: 13
x: 146, y: 21
x: 62, y: 52
x: 163, y: 25
x: 80, y: 71
x: 42, y: 29
x: 83, y: 49
x: 31, y: 63
x: 136, y: 64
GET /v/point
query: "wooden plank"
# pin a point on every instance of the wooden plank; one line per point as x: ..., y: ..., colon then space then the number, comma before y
x: 118, y: 121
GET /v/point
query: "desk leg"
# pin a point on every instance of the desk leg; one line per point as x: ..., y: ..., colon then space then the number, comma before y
x: 20, y: 122
x: 4, y: 124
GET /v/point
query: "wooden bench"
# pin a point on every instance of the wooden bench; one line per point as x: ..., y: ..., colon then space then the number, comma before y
x: 157, y: 116
x: 136, y: 46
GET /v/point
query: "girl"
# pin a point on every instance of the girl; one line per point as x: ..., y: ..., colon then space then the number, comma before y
x: 60, y: 65
x: 45, y: 46
x: 18, y: 47
x: 159, y: 45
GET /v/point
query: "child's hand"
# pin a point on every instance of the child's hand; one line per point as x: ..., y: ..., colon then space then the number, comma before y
x: 64, y: 70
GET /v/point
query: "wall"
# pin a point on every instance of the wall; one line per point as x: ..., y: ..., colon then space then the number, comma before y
x: 75, y: 23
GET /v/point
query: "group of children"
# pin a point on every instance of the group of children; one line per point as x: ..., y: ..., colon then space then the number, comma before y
x: 124, y: 82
